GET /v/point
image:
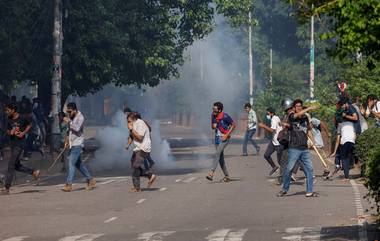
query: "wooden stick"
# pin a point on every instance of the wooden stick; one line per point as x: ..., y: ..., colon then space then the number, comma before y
x: 56, y: 159
x: 319, y: 155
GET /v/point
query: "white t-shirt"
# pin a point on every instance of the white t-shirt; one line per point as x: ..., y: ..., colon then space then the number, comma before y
x: 347, y: 132
x: 143, y: 130
x: 276, y: 126
x: 376, y: 109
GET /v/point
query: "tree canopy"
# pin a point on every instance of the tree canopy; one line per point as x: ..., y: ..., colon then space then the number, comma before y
x: 123, y: 42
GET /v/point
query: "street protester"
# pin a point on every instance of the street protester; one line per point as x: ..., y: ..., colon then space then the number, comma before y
x: 75, y: 143
x: 140, y: 135
x: 223, y: 125
x: 274, y: 145
x: 18, y: 128
x: 347, y: 136
x: 299, y: 128
x: 148, y: 161
x: 372, y: 109
x: 251, y: 129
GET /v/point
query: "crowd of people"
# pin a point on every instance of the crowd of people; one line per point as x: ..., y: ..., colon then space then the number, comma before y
x: 23, y: 127
x: 295, y: 134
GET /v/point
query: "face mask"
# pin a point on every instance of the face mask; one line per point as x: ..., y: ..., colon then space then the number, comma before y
x: 268, y: 117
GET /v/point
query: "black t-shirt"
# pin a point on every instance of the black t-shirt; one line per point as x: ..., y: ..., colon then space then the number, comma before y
x: 19, y: 125
x: 298, y: 132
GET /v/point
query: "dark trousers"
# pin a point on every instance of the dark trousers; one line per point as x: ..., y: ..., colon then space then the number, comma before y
x: 346, y: 153
x: 137, y: 160
x: 14, y: 164
x: 30, y: 146
x: 270, y: 150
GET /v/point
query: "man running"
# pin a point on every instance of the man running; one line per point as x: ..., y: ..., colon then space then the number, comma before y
x: 223, y: 125
x: 274, y: 145
x: 298, y: 149
x: 75, y: 142
x: 18, y: 128
x: 140, y: 135
x: 251, y: 129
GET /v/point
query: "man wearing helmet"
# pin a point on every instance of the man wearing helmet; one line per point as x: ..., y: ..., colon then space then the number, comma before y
x: 299, y: 128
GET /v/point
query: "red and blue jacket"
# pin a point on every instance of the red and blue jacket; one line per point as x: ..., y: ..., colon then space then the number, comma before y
x: 223, y: 122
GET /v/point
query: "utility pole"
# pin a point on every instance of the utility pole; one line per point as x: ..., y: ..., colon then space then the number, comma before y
x: 250, y: 59
x: 312, y: 55
x: 270, y: 67
x: 57, y: 73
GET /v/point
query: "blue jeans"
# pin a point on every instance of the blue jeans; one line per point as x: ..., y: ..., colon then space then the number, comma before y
x: 75, y: 162
x: 248, y: 137
x: 305, y: 158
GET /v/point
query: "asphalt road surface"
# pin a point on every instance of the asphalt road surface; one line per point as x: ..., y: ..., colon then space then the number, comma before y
x: 183, y: 206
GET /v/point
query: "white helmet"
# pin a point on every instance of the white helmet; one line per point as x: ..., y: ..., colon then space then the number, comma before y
x: 287, y: 103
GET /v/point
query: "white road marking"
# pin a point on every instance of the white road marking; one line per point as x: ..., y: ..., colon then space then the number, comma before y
x: 107, y: 182
x: 141, y: 201
x: 107, y: 178
x: 154, y: 236
x: 303, y: 233
x: 362, y: 222
x: 293, y: 238
x: 82, y: 237
x: 163, y: 189
x: 296, y: 230
x: 236, y: 236
x: 218, y: 235
x: 189, y: 179
x: 178, y: 180
x: 19, y: 238
x: 110, y: 220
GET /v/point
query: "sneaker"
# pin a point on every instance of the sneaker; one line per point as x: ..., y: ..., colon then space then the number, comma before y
x: 274, y: 170
x: 281, y: 194
x: 133, y: 189
x: 293, y: 177
x: 91, y: 184
x: 227, y: 179
x: 151, y: 180
x: 67, y: 188
x: 244, y: 154
x: 25, y: 158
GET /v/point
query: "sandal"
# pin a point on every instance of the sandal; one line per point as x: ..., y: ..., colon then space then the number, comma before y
x: 312, y: 194
x: 281, y: 194
x: 133, y: 189
x: 210, y: 176
x: 227, y: 179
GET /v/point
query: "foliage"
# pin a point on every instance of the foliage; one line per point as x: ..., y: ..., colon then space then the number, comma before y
x: 105, y: 41
x: 355, y: 24
x: 367, y: 141
x: 372, y: 174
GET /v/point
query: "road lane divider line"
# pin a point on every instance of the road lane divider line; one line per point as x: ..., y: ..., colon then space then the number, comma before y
x: 82, y: 237
x: 110, y: 220
x: 155, y: 236
x: 218, y: 235
x: 362, y: 222
x: 189, y: 179
x: 107, y: 182
x: 18, y: 238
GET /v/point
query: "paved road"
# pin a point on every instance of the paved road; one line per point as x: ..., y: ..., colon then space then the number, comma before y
x: 183, y: 206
